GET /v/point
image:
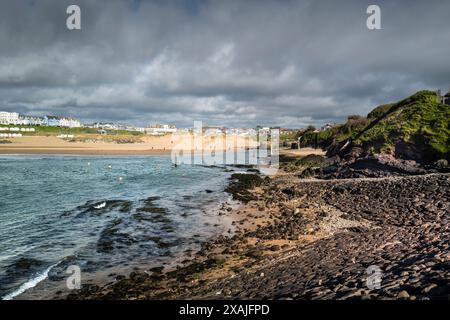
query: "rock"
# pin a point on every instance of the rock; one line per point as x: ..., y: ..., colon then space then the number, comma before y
x: 240, y: 185
x: 441, y: 164
x: 429, y: 288
x: 351, y: 295
x: 157, y: 270
x: 26, y: 263
x: 254, y: 253
x: 403, y: 295
x: 219, y: 259
x: 275, y: 247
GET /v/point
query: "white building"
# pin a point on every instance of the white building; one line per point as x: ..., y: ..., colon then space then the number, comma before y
x: 9, y: 117
x: 131, y: 128
x: 105, y: 126
x: 160, y: 129
x: 69, y: 122
x: 54, y: 121
x: 31, y: 121
x: 16, y: 119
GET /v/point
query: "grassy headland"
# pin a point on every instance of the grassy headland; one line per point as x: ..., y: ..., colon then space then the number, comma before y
x: 416, y: 128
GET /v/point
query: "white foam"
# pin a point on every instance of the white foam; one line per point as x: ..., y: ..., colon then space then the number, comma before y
x: 29, y: 284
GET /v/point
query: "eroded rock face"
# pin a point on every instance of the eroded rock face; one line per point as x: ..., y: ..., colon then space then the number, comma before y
x: 354, y: 153
x: 372, y: 167
x: 410, y: 151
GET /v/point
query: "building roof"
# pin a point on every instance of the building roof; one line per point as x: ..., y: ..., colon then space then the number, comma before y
x: 31, y: 117
x: 8, y: 112
x: 61, y: 118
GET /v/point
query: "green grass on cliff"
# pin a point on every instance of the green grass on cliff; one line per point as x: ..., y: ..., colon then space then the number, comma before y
x: 338, y: 133
x: 379, y: 111
x: 51, y: 130
x: 419, y: 120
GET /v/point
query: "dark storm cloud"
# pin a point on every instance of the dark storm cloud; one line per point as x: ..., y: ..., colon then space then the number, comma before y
x: 237, y: 63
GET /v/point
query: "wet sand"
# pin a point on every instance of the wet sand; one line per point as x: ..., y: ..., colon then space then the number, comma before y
x: 147, y: 145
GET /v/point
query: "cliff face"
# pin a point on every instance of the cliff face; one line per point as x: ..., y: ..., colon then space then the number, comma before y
x: 416, y: 128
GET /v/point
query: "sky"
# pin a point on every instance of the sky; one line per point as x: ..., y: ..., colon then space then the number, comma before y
x: 231, y: 63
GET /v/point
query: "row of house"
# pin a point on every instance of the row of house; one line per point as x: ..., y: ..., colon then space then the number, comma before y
x: 8, y: 118
x: 104, y: 126
x: 156, y: 129
x: 62, y: 122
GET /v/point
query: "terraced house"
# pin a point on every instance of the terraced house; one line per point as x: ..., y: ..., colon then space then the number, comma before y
x: 9, y: 117
x: 55, y: 121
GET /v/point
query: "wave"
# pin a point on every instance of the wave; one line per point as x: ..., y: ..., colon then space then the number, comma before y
x: 16, y: 252
x: 29, y: 284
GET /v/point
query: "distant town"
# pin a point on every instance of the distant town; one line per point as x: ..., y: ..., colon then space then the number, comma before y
x: 27, y: 122
x: 14, y: 118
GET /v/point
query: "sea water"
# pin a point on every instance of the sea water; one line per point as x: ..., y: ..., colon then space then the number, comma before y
x: 99, y: 213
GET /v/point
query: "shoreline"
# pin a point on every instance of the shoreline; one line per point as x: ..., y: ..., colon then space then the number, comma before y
x: 299, y: 239
x: 39, y: 288
x: 147, y: 145
x: 44, y: 289
x: 80, y: 152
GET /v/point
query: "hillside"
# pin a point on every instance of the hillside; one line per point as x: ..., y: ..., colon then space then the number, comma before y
x: 416, y: 128
x: 341, y: 132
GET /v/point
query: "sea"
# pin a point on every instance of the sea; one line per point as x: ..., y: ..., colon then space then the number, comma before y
x: 105, y: 215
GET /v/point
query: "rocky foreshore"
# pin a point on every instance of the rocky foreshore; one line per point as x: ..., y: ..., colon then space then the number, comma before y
x: 314, y: 239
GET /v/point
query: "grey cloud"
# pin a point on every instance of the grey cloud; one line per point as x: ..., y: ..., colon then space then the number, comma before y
x: 236, y: 63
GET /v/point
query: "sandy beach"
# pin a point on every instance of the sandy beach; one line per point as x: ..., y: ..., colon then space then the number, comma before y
x: 96, y: 145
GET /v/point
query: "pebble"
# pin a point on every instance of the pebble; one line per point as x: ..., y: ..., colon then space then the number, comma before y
x: 403, y: 295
